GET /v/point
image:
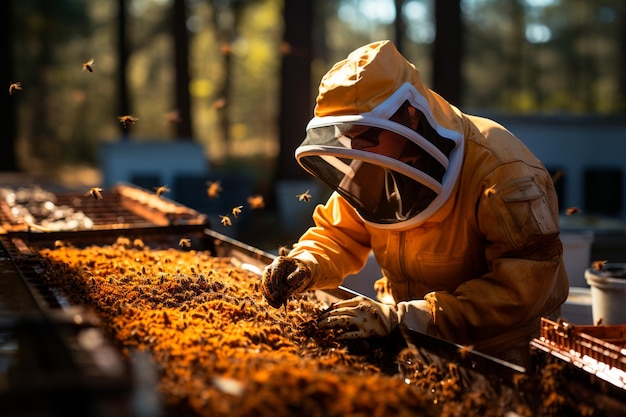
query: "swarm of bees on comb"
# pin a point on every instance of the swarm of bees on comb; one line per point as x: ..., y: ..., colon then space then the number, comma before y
x: 221, y: 352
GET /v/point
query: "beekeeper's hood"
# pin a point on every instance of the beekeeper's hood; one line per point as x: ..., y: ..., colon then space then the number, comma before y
x: 381, y: 139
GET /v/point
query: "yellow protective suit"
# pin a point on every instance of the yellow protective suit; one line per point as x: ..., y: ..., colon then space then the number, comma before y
x: 485, y: 255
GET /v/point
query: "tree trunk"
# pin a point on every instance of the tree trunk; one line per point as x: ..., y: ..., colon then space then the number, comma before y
x: 622, y: 59
x: 8, y: 103
x: 226, y: 16
x: 123, y: 54
x: 399, y: 26
x: 295, y: 89
x: 181, y: 62
x: 447, y: 51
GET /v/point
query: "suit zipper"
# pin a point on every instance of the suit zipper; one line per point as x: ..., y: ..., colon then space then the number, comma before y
x: 402, y: 260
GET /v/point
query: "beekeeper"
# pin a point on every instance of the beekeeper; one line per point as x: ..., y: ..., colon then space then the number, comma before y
x: 461, y: 217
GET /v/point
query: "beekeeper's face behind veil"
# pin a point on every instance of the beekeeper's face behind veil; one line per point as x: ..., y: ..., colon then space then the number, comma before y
x: 375, y: 139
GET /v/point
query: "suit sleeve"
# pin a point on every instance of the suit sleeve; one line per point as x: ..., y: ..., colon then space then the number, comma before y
x: 338, y: 244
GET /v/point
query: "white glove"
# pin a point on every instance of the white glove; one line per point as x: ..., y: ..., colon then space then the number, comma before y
x: 362, y: 317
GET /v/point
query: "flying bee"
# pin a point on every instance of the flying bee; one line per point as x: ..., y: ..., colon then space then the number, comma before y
x: 305, y: 196
x: 95, y: 192
x: 173, y: 116
x: 237, y: 211
x: 256, y: 202
x: 13, y: 87
x: 161, y: 190
x: 491, y: 190
x: 184, y: 242
x: 285, y: 48
x: 88, y: 65
x: 557, y: 175
x: 226, y: 48
x: 599, y: 265
x: 465, y: 350
x: 220, y: 103
x: 127, y: 120
x: 572, y: 210
x: 225, y: 220
x: 214, y: 189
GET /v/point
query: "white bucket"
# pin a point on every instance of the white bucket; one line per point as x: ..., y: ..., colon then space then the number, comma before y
x: 608, y: 293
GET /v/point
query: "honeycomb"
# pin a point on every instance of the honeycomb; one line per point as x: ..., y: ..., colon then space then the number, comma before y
x: 220, y: 350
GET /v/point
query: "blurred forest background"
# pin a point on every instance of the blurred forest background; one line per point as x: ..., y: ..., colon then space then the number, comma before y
x: 239, y: 77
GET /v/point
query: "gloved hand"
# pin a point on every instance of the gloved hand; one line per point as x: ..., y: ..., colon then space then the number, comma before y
x: 362, y: 317
x: 284, y: 277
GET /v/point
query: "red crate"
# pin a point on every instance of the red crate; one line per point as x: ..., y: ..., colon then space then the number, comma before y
x: 598, y: 350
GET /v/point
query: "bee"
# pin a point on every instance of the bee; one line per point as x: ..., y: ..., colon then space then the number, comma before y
x: 220, y: 103
x: 554, y: 401
x: 13, y: 87
x: 518, y: 380
x: 226, y: 48
x: 127, y: 120
x: 464, y: 350
x: 162, y: 189
x: 285, y: 48
x: 599, y: 265
x: 214, y: 189
x: 88, y: 65
x: 184, y: 242
x: 572, y: 210
x: 256, y: 202
x: 489, y: 191
x: 225, y: 220
x: 237, y: 211
x: 95, y: 192
x: 283, y: 251
x: 173, y: 116
x: 122, y: 241
x: 557, y: 175
x: 305, y: 196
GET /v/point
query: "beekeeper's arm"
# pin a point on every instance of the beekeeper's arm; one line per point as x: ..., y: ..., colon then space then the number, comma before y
x: 337, y: 246
x: 523, y: 250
